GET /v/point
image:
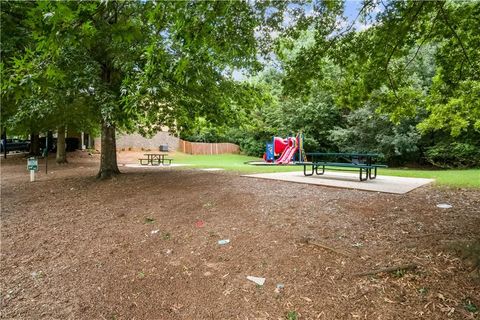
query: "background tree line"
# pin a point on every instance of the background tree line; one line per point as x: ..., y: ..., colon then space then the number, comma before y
x: 127, y: 65
x: 407, y: 86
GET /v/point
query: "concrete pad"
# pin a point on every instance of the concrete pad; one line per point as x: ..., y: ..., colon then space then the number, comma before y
x: 136, y: 165
x: 349, y: 180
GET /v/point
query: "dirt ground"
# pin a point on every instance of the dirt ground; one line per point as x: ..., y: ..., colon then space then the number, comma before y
x: 76, y: 248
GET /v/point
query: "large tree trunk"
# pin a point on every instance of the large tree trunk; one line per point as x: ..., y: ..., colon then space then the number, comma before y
x: 34, y: 144
x: 108, y: 158
x: 61, y: 146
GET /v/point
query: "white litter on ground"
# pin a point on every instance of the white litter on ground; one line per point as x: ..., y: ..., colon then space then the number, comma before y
x: 444, y: 205
x: 279, y: 287
x: 225, y: 241
x: 212, y: 169
x: 257, y: 280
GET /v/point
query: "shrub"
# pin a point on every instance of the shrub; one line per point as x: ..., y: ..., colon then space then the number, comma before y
x: 252, y: 147
x: 455, y: 154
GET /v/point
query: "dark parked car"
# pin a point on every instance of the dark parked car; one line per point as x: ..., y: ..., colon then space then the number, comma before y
x: 15, y: 145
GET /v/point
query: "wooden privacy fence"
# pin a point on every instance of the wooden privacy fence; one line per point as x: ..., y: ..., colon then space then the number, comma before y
x: 207, y: 148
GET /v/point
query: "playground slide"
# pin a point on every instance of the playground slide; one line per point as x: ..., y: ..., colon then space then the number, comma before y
x: 287, y: 155
x: 286, y: 148
x: 283, y: 155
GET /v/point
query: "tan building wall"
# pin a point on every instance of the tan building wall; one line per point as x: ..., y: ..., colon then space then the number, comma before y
x: 137, y: 142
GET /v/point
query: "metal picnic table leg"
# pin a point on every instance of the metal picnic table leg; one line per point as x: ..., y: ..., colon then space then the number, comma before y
x: 316, y: 170
x: 305, y: 171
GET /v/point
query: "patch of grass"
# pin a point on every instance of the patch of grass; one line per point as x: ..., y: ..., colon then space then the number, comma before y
x: 229, y: 162
x: 463, y: 178
x: 460, y: 178
x: 292, y: 315
x: 469, y: 305
x: 38, y: 275
x: 357, y: 245
x: 141, y: 275
x: 208, y: 205
x: 423, y: 291
x: 399, y: 273
x: 149, y: 220
x: 166, y: 236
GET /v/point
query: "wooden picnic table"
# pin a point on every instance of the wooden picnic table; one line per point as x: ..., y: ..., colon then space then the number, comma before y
x: 155, y: 159
x: 364, y: 162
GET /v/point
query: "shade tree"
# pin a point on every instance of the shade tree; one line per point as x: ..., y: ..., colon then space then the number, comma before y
x: 147, y: 64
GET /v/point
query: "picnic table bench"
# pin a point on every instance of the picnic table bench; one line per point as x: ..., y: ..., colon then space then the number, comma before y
x: 364, y: 162
x: 155, y: 159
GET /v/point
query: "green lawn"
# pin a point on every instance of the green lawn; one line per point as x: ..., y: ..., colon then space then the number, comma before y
x: 231, y: 162
x: 465, y: 178
x: 455, y: 178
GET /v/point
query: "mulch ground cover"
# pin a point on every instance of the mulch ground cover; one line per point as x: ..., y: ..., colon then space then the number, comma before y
x: 144, y: 245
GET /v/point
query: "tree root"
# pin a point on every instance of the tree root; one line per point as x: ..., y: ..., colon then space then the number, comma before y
x: 107, y: 174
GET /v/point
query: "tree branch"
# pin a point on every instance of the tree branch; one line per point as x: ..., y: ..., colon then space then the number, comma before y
x: 456, y: 36
x: 90, y: 17
x: 392, y: 84
x: 397, y: 44
x: 367, y: 3
x: 421, y: 44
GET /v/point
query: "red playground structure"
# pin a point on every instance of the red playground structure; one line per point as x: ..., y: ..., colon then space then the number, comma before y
x: 285, y: 151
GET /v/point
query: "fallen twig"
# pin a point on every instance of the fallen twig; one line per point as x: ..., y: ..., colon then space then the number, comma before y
x: 314, y: 243
x: 422, y: 235
x: 389, y: 269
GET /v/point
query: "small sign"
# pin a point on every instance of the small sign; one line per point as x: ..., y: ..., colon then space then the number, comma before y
x: 32, y: 164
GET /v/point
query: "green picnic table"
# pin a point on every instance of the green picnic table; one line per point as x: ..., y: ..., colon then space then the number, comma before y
x: 155, y: 159
x: 364, y: 162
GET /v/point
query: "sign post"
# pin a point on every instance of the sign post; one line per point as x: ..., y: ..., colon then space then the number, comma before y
x: 45, y: 156
x: 45, y: 153
x: 32, y: 165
